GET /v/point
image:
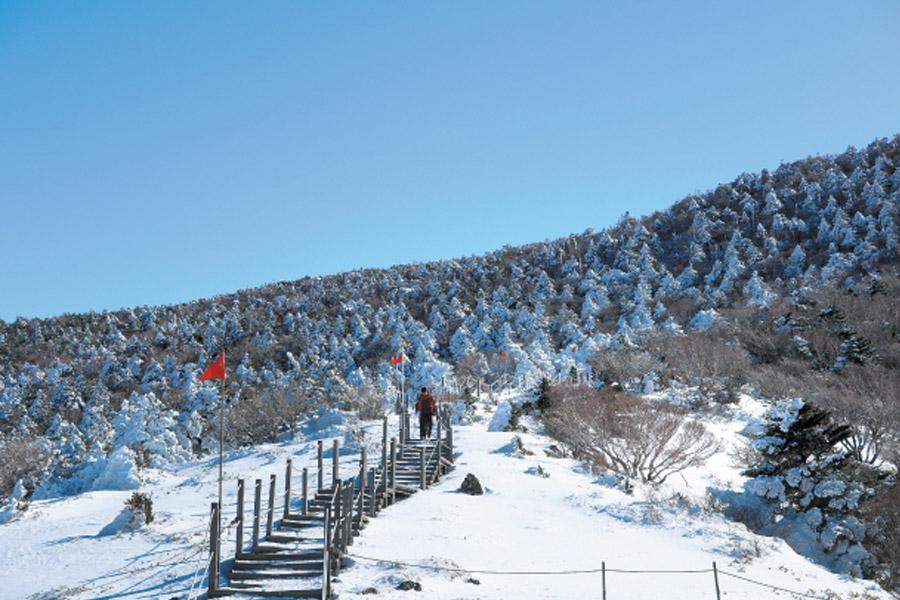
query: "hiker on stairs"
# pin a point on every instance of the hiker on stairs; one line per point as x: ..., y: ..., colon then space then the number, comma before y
x: 426, y: 408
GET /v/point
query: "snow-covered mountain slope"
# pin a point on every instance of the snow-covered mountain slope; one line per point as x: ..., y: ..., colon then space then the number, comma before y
x: 569, y: 520
x: 75, y: 388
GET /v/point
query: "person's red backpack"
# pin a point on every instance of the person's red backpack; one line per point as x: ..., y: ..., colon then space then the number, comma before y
x: 426, y: 401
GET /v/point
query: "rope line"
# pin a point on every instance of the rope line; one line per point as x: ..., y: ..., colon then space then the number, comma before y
x: 770, y: 586
x: 498, y: 572
x: 589, y: 571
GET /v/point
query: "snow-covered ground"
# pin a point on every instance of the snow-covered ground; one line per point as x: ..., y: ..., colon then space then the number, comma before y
x: 570, y: 520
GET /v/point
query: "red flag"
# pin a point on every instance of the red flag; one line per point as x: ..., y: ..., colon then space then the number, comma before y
x: 573, y: 348
x: 215, y: 370
x: 503, y: 355
x: 397, y: 359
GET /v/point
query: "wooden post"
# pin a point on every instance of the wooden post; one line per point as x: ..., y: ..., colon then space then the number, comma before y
x: 603, y: 579
x: 422, y: 483
x: 348, y: 511
x: 372, y: 491
x: 362, y: 486
x: 271, y: 516
x: 257, y: 502
x: 440, y: 457
x: 335, y: 462
x: 393, y: 470
x: 287, y: 489
x: 384, y: 463
x: 716, y: 578
x: 450, y: 442
x: 239, y: 533
x: 305, y: 507
x: 384, y: 443
x: 338, y: 513
x: 213, y: 577
x: 400, y: 430
x: 319, y: 457
x: 440, y: 418
x: 326, y: 558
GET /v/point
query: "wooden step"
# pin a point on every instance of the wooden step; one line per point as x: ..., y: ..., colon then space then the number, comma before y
x: 281, y: 538
x: 238, y: 590
x: 275, y: 553
x: 307, y: 517
x: 264, y: 575
x: 260, y: 565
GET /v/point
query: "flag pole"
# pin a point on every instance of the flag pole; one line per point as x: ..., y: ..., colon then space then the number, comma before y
x: 221, y: 446
x: 403, y: 382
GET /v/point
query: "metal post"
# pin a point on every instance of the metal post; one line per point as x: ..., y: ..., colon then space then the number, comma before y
x: 335, y: 462
x: 257, y: 501
x: 305, y: 508
x: 239, y: 533
x: 393, y: 470
x: 319, y: 458
x: 422, y: 483
x: 603, y: 567
x: 716, y: 577
x: 213, y: 577
x: 270, y: 517
x: 287, y: 489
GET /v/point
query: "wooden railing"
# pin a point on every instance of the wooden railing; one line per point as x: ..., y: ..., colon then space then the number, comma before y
x: 345, y: 505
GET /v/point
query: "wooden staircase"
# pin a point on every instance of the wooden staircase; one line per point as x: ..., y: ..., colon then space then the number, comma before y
x: 298, y: 553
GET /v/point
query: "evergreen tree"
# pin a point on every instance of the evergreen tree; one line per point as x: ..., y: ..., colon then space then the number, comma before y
x: 543, y: 394
x: 808, y: 481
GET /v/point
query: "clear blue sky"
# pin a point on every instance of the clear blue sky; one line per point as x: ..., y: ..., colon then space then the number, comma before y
x: 156, y: 152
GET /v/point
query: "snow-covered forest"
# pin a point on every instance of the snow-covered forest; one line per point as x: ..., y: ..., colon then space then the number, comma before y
x: 781, y: 284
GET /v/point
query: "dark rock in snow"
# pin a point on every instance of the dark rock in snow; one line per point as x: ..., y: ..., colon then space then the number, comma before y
x: 473, y: 581
x: 471, y: 486
x: 369, y: 590
x: 408, y: 585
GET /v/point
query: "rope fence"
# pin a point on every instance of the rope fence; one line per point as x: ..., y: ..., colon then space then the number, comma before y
x: 602, y: 570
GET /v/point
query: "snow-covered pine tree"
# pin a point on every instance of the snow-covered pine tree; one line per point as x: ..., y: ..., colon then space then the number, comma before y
x: 808, y: 482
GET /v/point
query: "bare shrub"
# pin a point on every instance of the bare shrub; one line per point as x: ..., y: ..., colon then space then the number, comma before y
x: 868, y: 399
x: 757, y: 336
x: 23, y: 458
x: 368, y: 403
x: 471, y: 365
x: 633, y: 437
x: 882, y: 515
x: 622, y: 366
x: 790, y: 378
x: 262, y: 417
x: 703, y: 358
x: 744, y: 456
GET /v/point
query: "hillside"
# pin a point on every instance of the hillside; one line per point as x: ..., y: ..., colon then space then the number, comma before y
x: 778, y: 284
x: 567, y: 520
